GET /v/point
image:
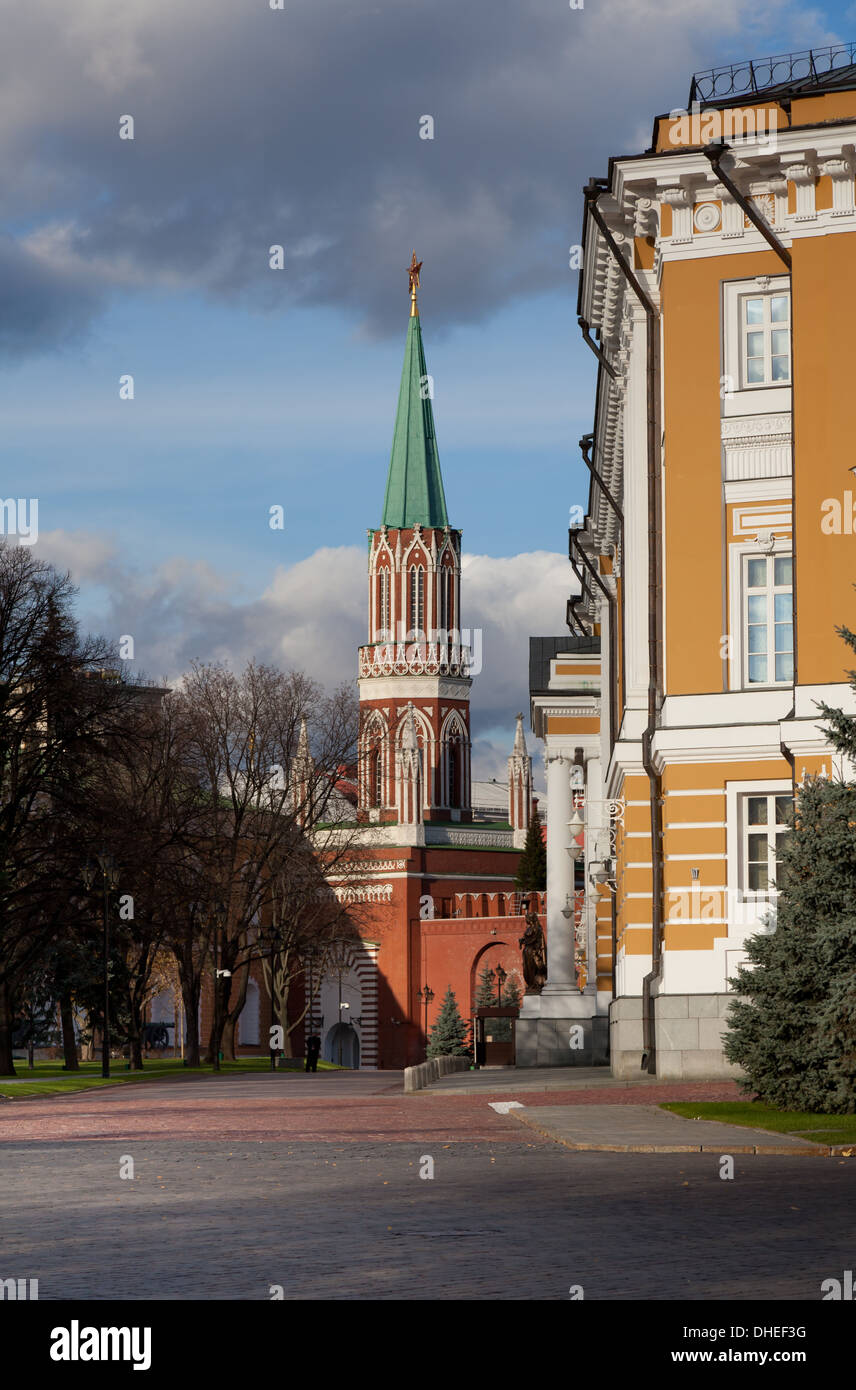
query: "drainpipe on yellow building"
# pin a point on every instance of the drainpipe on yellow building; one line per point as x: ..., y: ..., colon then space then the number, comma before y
x: 616, y: 634
x: 649, y: 1044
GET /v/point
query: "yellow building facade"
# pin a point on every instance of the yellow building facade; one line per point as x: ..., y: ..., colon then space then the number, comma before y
x: 717, y: 555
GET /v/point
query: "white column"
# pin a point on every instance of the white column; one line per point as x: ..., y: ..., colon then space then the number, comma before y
x: 560, y: 876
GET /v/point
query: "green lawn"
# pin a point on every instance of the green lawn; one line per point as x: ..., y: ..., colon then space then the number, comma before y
x: 817, y: 1129
x: 48, y: 1078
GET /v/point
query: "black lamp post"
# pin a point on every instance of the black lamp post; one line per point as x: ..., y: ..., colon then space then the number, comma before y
x: 501, y: 977
x: 109, y: 882
x: 425, y: 996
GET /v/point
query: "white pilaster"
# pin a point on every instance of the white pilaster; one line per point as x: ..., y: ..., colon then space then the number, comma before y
x: 560, y: 876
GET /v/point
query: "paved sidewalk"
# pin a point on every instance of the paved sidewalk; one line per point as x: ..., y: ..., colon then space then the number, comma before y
x: 647, y: 1129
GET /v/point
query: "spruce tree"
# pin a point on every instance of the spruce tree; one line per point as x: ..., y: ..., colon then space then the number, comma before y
x: 794, y: 1028
x: 532, y: 868
x: 449, y: 1033
x: 512, y: 992
x: 486, y: 988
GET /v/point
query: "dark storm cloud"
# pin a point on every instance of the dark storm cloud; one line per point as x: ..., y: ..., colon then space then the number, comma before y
x: 300, y: 127
x: 39, y: 302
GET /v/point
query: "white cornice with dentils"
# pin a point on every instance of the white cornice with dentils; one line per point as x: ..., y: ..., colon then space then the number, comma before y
x: 647, y: 180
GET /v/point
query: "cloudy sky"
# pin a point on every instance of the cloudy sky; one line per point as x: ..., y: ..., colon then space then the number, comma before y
x: 253, y: 387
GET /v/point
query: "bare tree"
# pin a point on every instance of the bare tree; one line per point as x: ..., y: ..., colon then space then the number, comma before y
x: 63, y: 710
x: 265, y: 752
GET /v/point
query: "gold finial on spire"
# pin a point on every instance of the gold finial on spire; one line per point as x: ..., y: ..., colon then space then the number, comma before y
x: 413, y: 280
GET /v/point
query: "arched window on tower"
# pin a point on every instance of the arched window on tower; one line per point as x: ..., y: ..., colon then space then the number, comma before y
x: 445, y: 598
x: 417, y: 601
x: 452, y: 768
x: 376, y: 777
x: 383, y: 605
x: 448, y: 598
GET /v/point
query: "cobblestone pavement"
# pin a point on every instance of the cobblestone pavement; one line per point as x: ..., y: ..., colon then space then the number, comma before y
x: 354, y: 1221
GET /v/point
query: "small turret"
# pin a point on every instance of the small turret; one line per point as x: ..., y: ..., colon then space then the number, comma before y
x: 519, y: 785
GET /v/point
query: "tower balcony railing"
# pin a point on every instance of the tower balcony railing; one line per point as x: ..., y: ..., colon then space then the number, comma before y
x: 422, y: 657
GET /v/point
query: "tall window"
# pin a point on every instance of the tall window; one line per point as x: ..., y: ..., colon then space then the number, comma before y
x: 765, y: 823
x: 383, y: 604
x: 417, y: 599
x: 445, y: 599
x: 768, y: 619
x: 452, y: 765
x: 765, y: 339
x: 376, y: 778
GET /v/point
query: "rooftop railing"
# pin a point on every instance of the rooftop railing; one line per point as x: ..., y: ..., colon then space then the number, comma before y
x: 760, y: 74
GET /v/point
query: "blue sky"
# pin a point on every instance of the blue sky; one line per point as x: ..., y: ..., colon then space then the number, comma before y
x: 255, y: 387
x: 236, y: 411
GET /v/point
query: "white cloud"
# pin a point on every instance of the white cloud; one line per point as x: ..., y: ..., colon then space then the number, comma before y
x: 312, y: 617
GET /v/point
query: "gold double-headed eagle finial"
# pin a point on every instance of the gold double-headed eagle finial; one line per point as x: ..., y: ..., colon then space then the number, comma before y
x: 413, y: 281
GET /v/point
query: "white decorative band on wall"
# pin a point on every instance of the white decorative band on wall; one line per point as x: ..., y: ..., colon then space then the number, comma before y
x: 757, y: 447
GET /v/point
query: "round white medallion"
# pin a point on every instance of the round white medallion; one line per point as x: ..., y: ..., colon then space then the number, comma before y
x: 707, y: 217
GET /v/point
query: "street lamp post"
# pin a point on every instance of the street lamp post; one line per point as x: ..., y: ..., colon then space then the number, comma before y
x: 109, y: 882
x: 425, y: 996
x: 501, y: 977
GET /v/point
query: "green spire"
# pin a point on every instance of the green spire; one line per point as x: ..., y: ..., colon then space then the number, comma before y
x: 414, y: 485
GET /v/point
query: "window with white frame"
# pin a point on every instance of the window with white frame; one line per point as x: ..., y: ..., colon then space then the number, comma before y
x: 765, y: 339
x: 768, y: 620
x: 765, y: 820
x: 756, y: 348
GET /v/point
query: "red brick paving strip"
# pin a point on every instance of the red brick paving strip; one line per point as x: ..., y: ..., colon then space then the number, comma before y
x: 408, y: 1119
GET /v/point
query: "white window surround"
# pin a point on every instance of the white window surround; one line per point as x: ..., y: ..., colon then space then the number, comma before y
x: 735, y: 794
x: 748, y: 400
x: 782, y: 545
